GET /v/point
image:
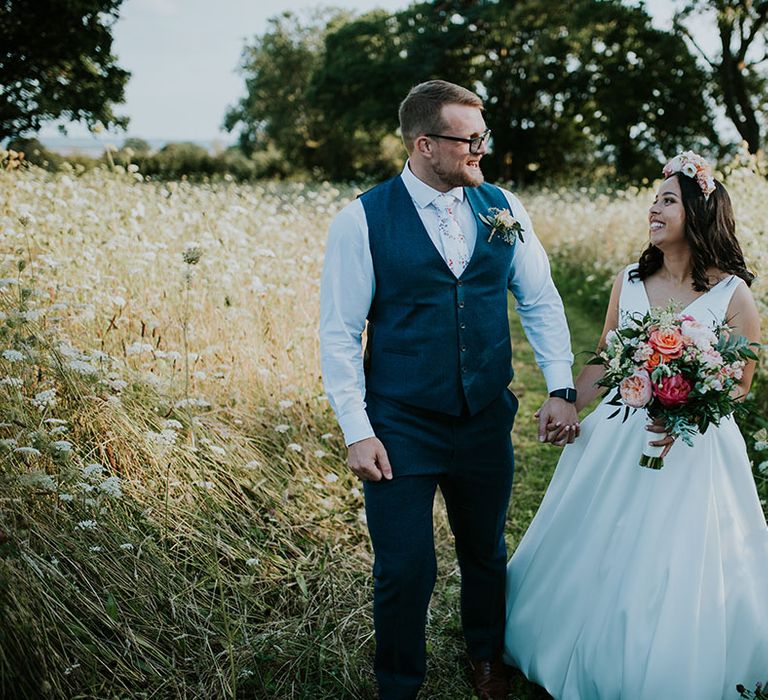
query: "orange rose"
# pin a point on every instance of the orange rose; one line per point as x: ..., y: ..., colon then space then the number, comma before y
x: 668, y: 343
x: 654, y: 361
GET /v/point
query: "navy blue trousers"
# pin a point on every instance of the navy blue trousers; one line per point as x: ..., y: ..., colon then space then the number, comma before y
x: 470, y: 459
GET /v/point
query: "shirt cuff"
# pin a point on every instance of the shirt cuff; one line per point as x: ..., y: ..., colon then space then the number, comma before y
x: 355, y: 427
x: 558, y: 375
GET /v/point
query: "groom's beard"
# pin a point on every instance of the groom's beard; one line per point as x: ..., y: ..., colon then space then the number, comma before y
x: 460, y: 176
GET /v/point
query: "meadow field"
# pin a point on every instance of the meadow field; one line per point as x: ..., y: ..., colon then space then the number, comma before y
x: 176, y: 516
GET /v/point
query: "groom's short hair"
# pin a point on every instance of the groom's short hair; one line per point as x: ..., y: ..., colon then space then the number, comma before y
x: 420, y: 112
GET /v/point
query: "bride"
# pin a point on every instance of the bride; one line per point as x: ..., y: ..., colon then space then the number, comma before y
x: 639, y: 584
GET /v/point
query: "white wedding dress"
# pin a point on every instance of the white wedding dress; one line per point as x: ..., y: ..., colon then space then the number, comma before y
x: 637, y: 584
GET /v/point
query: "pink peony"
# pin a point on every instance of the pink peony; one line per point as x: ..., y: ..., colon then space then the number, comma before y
x: 673, y: 391
x: 636, y: 390
x: 697, y: 334
x: 668, y: 343
x: 711, y: 358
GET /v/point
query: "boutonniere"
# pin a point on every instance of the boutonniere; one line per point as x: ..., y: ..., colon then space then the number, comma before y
x: 502, y: 222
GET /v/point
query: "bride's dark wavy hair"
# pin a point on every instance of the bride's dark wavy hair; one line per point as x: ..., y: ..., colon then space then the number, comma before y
x: 710, y: 229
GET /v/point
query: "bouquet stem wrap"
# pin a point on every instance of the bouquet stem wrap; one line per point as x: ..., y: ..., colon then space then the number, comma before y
x: 651, y: 457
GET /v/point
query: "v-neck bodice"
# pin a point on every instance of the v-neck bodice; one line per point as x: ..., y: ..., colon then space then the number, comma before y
x: 710, y: 307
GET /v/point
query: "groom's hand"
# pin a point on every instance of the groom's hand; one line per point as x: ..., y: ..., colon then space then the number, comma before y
x: 558, y: 421
x: 368, y: 460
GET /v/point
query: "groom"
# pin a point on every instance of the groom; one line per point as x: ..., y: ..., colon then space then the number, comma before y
x: 428, y: 404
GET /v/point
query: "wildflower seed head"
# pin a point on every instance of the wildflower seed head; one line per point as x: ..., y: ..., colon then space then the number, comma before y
x: 192, y: 254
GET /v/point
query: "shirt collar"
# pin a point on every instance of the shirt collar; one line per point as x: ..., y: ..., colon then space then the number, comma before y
x: 421, y: 193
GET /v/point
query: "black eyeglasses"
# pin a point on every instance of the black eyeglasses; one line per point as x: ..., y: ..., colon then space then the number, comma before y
x: 475, y: 143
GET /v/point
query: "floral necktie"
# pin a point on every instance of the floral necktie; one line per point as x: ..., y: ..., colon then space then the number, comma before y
x: 454, y: 243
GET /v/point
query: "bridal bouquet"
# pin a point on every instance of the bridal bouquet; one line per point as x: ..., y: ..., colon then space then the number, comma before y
x: 676, y: 368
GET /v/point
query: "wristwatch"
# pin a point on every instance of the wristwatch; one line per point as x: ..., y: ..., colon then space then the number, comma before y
x: 568, y: 395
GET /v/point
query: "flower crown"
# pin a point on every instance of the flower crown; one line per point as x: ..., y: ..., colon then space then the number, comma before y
x: 694, y: 166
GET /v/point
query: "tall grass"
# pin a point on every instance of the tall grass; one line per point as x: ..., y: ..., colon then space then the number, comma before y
x: 176, y: 520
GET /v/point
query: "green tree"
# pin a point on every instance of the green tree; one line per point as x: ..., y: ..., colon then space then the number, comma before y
x: 571, y: 90
x: 56, y: 62
x: 278, y: 68
x: 591, y: 89
x: 737, y: 69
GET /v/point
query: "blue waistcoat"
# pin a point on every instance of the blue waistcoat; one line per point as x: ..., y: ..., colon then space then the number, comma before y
x: 435, y: 341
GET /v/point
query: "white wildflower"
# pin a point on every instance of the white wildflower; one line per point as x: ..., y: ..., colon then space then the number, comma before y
x: 165, y: 439
x: 39, y: 480
x: 44, y: 399
x: 326, y: 436
x: 253, y: 464
x: 12, y: 355
x: 138, y: 348
x: 294, y: 447
x: 193, y: 403
x: 172, y: 424
x: 81, y: 367
x: 13, y: 382
x: 86, y: 525
x: 95, y: 548
x: 319, y: 454
x: 282, y: 427
x: 208, y: 485
x: 32, y: 314
x: 285, y: 403
x: 253, y: 561
x: 126, y: 545
x: 331, y: 478
x: 62, y: 446
x: 111, y: 486
x: 26, y: 450
x: 117, y: 385
x: 93, y: 469
x: 66, y: 497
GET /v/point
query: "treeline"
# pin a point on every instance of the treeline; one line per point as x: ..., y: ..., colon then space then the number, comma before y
x: 173, y: 161
x: 586, y: 89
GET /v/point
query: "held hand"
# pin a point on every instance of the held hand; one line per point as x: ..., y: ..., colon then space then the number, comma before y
x: 558, y: 422
x: 368, y: 460
x: 667, y: 441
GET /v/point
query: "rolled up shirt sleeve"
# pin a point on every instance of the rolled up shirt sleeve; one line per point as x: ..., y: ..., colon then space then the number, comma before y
x: 539, y: 304
x: 346, y: 291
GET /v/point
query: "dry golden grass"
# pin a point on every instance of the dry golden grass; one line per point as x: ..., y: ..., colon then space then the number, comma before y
x: 175, y: 516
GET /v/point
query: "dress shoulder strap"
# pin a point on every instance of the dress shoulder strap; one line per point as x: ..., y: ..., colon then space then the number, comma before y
x: 716, y: 300
x: 632, y: 298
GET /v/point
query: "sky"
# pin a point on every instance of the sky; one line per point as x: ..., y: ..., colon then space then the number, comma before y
x: 183, y: 56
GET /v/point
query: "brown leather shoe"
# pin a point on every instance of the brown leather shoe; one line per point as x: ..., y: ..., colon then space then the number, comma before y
x: 489, y: 679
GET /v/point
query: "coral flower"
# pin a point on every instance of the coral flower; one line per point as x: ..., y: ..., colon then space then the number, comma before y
x: 668, y: 343
x: 654, y: 360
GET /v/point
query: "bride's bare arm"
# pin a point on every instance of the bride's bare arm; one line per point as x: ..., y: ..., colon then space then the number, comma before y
x: 586, y: 387
x: 744, y: 318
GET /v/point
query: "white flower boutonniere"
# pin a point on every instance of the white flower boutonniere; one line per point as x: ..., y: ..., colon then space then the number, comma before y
x: 502, y: 222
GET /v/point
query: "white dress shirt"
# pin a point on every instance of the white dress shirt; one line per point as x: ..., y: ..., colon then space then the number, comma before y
x: 348, y: 286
